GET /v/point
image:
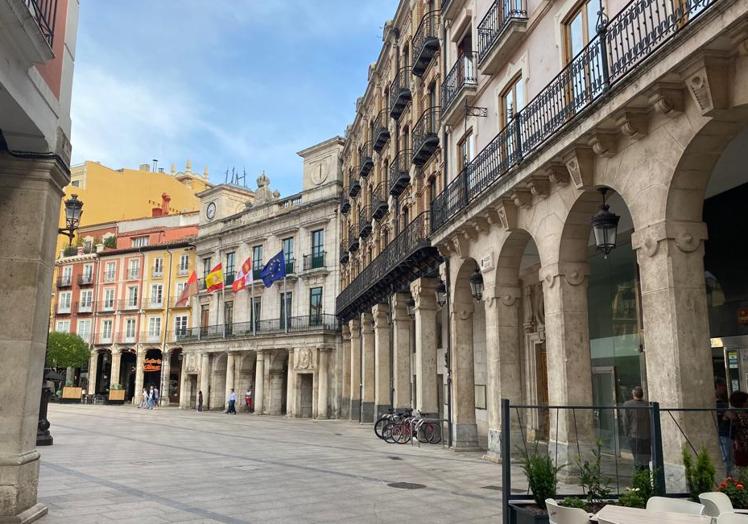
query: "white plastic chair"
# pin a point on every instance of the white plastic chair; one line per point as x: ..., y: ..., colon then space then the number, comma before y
x: 666, y: 504
x: 732, y: 518
x: 717, y: 503
x: 561, y: 515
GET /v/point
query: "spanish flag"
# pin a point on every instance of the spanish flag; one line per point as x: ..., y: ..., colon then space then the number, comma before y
x: 214, y: 279
x: 243, y: 277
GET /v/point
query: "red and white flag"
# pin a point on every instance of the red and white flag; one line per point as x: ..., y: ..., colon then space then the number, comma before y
x: 243, y: 276
x: 189, y: 290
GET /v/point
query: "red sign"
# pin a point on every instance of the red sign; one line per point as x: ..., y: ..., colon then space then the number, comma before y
x: 152, y: 364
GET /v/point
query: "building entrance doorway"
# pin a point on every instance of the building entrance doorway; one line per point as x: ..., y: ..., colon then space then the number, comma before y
x: 306, y: 393
x: 604, y: 393
x: 152, y: 369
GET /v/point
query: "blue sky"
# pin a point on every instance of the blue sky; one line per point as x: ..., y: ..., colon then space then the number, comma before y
x: 244, y: 83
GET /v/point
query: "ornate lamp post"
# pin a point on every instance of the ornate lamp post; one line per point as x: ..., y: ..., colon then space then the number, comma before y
x: 605, y: 227
x: 73, y: 212
x: 476, y: 284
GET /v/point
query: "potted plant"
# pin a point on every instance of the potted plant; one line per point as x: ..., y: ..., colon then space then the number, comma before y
x: 67, y: 350
x: 735, y: 489
x: 542, y: 478
x: 641, y: 489
x: 116, y: 394
x: 699, y: 473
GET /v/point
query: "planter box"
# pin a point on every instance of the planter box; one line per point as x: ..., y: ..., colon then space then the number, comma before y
x: 71, y: 394
x: 526, y: 514
x: 116, y: 396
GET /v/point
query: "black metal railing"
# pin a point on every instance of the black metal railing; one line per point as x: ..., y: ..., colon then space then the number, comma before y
x: 399, y: 176
x: 295, y: 324
x: 493, y: 25
x: 314, y: 261
x: 64, y: 281
x: 84, y: 307
x: 156, y: 302
x: 345, y: 204
x: 364, y: 221
x: 290, y: 265
x: 413, y: 237
x: 463, y: 73
x: 344, y: 257
x: 85, y: 280
x: 257, y: 270
x: 354, y: 186
x: 400, y: 94
x: 201, y: 285
x: 425, y: 42
x: 353, y: 242
x: 128, y: 304
x: 381, y: 131
x: 44, y: 13
x: 426, y: 135
x: 632, y: 36
x: 228, y: 277
x: 366, y: 162
x: 379, y: 202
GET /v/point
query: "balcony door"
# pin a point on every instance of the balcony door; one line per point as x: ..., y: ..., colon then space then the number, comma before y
x: 585, y: 73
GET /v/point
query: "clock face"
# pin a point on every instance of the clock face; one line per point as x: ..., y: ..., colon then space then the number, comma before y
x: 210, y: 212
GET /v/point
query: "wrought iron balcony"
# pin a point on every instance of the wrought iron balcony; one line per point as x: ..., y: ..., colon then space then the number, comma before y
x: 426, y: 135
x: 85, y: 280
x: 290, y: 266
x: 499, y: 32
x: 65, y: 281
x: 353, y: 242
x: 366, y: 162
x: 400, y: 95
x: 128, y: 304
x: 44, y: 14
x: 345, y: 204
x: 461, y: 81
x: 314, y: 261
x: 252, y: 328
x: 228, y: 277
x: 156, y: 302
x: 400, y: 172
x: 379, y: 202
x: 354, y: 187
x: 84, y: 306
x: 425, y: 42
x: 381, y: 131
x: 364, y: 222
x: 344, y: 257
x: 408, y: 256
x: 597, y: 71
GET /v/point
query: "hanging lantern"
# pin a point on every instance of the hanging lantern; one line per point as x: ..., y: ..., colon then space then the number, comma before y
x: 441, y: 294
x: 476, y: 284
x: 605, y: 227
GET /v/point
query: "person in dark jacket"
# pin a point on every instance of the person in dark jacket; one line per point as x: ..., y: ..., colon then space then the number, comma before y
x: 200, y: 400
x: 636, y: 426
x: 724, y: 424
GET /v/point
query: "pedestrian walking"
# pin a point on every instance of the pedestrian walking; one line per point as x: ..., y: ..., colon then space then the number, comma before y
x: 248, y: 400
x: 232, y: 403
x: 636, y: 425
x: 724, y: 424
x: 739, y: 421
x: 156, y: 397
x: 144, y: 399
x: 150, y: 397
x: 200, y: 400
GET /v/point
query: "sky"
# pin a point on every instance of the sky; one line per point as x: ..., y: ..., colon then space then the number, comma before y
x: 225, y: 83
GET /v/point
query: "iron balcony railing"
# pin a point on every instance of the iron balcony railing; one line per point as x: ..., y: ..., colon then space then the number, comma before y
x: 85, y: 280
x: 126, y: 338
x: 106, y: 306
x: 493, y: 25
x: 632, y: 36
x: 364, y: 221
x: 314, y: 261
x: 155, y: 302
x: 366, y: 161
x: 65, y: 281
x: 381, y: 131
x: 353, y: 242
x: 228, y: 277
x: 425, y: 42
x: 295, y: 324
x: 354, y: 186
x: 400, y: 94
x: 256, y: 270
x: 399, y: 176
x: 84, y: 307
x: 463, y: 73
x: 413, y: 237
x: 128, y: 304
x: 379, y: 202
x: 343, y: 252
x: 109, y: 276
x: 290, y: 265
x: 426, y: 135
x: 44, y: 13
x: 345, y: 204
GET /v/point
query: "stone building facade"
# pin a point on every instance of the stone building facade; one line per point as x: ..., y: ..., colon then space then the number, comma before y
x: 279, y: 342
x: 543, y: 105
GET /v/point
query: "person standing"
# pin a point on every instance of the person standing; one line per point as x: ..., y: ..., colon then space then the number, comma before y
x: 200, y: 400
x: 232, y: 403
x: 248, y: 400
x: 155, y: 397
x: 724, y: 424
x: 144, y: 399
x: 636, y: 425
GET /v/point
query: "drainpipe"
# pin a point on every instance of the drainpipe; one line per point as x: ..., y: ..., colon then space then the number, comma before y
x: 445, y: 137
x: 167, y: 297
x: 449, y: 351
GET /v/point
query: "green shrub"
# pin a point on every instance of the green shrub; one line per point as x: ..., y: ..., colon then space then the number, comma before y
x: 699, y: 473
x: 632, y: 498
x: 70, y: 251
x: 594, y: 485
x: 735, y: 489
x: 574, y: 502
x: 541, y: 475
x: 110, y: 242
x: 643, y: 482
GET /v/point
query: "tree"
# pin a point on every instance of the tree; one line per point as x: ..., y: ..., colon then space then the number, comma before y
x: 66, y: 350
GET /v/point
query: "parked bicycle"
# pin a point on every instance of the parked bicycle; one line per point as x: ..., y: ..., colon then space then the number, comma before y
x: 401, y: 427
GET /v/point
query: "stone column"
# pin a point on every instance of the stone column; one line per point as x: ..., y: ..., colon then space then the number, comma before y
x: 568, y: 350
x: 367, y: 368
x: 464, y: 428
x: 355, y: 410
x: 401, y: 348
x: 345, y: 367
x: 424, y: 294
x: 115, y: 369
x: 322, y: 384
x: 30, y: 195
x: 139, y: 363
x: 204, y: 378
x: 502, y: 355
x: 93, y: 365
x: 291, y: 386
x: 676, y: 334
x: 259, y: 382
x: 165, y: 372
x: 382, y: 356
x: 230, y: 369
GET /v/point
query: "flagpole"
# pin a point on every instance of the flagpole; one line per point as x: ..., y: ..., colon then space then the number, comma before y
x: 252, y: 300
x: 285, y: 303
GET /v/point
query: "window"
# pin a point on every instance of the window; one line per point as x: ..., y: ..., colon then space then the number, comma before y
x: 466, y: 151
x: 63, y: 302
x: 180, y: 288
x: 206, y: 266
x: 315, y: 305
x: 84, y: 329
x: 228, y: 316
x: 256, y: 310
x: 110, y: 271
x: 87, y: 273
x: 512, y: 101
x: 106, y: 330
x: 67, y: 275
x: 133, y: 268
x: 132, y: 297
x: 432, y: 190
x: 139, y: 241
x: 157, y: 294
x: 256, y: 261
x: 204, y: 317
x: 286, y: 308
x: 579, y: 31
x: 62, y: 326
x: 288, y: 254
x: 184, y: 264
x: 180, y: 325
x: 228, y: 271
x: 154, y: 327
x: 318, y: 242
x: 158, y: 267
x: 86, y: 300
x: 130, y: 329
x: 109, y: 298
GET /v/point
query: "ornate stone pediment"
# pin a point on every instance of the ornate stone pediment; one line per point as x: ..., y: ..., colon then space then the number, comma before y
x: 304, y: 359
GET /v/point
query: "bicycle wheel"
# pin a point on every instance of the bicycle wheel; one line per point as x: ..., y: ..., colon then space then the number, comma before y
x: 422, y: 432
x: 433, y: 433
x: 380, y: 425
x: 393, y: 431
x: 404, y: 433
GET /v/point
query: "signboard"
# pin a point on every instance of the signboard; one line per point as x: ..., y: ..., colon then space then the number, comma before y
x: 152, y: 364
x: 743, y: 315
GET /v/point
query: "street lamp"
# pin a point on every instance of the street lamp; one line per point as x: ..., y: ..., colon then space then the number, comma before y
x: 605, y: 227
x: 441, y: 294
x: 476, y: 284
x: 73, y: 212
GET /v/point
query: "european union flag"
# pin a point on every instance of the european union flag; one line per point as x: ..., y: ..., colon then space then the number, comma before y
x: 274, y: 270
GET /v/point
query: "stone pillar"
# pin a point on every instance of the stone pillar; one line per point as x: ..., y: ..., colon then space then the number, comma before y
x: 322, y: 384
x: 367, y: 368
x: 165, y: 372
x: 355, y: 410
x: 568, y: 350
x: 401, y: 348
x: 464, y: 427
x: 424, y: 295
x: 204, y: 378
x: 382, y: 357
x: 93, y: 365
x: 291, y: 386
x: 230, y: 369
x: 139, y: 363
x: 30, y: 195
x: 502, y: 355
x: 115, y: 369
x: 259, y: 382
x: 676, y: 334
x: 345, y: 374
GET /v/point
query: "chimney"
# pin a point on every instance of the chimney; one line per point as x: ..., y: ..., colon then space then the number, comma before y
x: 156, y: 212
x: 165, y: 199
x: 145, y: 167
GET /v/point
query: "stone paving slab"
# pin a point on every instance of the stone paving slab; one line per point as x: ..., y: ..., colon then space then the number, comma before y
x: 120, y: 464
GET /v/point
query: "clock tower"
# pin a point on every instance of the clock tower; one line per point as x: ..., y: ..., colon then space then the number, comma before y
x: 321, y: 163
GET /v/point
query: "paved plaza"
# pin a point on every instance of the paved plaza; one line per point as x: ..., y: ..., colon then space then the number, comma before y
x: 121, y: 464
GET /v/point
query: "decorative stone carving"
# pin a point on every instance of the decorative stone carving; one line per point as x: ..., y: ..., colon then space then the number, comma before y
x: 304, y: 360
x: 580, y: 163
x: 507, y: 214
x: 460, y: 245
x: 444, y: 248
x: 354, y: 327
x: 634, y: 123
x: 688, y: 237
x: 491, y: 216
x: 708, y: 84
x: 423, y: 291
x: 522, y: 198
x: 539, y: 187
x: 573, y: 273
x: 604, y: 143
x: 668, y: 99
x: 557, y: 174
x: 380, y: 313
